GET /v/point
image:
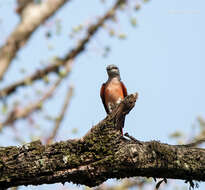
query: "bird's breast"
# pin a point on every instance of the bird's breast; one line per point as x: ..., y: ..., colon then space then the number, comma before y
x: 114, y: 93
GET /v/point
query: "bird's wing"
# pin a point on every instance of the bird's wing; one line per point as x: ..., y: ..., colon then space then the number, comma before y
x: 102, y: 95
x: 124, y: 89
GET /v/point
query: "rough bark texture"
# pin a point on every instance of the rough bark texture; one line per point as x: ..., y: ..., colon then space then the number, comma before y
x: 101, y: 154
x: 32, y: 17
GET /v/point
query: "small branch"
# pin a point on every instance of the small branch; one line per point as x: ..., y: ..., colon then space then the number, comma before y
x: 193, y: 144
x: 71, y: 55
x: 201, y: 121
x: 32, y: 17
x: 14, y: 188
x: 132, y: 138
x: 19, y: 113
x: 21, y: 5
x: 61, y: 116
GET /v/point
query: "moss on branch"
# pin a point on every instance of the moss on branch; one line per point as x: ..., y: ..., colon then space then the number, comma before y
x: 100, y: 155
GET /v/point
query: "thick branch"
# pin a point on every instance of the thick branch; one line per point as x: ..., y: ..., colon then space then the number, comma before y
x: 32, y: 17
x: 101, y: 154
x: 70, y: 55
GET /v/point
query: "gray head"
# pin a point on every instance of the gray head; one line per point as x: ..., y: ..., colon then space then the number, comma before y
x: 113, y: 71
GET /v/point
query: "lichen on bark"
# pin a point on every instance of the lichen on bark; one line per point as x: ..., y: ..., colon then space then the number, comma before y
x: 100, y: 155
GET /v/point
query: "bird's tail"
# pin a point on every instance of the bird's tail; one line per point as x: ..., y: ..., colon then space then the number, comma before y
x: 123, y: 123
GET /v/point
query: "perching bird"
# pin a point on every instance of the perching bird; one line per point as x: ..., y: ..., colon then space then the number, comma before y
x: 113, y: 91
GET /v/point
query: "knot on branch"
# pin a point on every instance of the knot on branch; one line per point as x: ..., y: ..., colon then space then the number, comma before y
x: 119, y: 113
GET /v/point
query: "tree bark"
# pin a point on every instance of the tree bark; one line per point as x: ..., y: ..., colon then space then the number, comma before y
x: 100, y: 155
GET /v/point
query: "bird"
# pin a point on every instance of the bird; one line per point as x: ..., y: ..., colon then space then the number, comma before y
x: 113, y: 91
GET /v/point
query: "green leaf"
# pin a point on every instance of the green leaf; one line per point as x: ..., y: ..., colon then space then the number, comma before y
x: 122, y: 36
x: 62, y: 73
x: 176, y: 134
x: 74, y: 131
x: 133, y: 22
x: 111, y: 32
x: 46, y: 79
x: 137, y: 7
x: 4, y: 109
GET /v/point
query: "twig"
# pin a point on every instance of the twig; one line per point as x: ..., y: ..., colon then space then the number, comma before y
x: 61, y: 116
x: 132, y: 138
x: 14, y: 188
x: 193, y: 144
x: 19, y: 113
x: 21, y: 5
x: 70, y: 55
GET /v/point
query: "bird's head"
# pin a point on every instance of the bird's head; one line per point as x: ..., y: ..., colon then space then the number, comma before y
x: 113, y: 71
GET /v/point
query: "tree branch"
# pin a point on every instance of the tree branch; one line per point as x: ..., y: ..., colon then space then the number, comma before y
x: 71, y: 55
x: 32, y: 17
x: 61, y: 116
x: 101, y: 154
x: 20, y: 113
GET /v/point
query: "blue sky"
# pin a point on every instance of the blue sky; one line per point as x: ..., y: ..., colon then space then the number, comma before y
x: 162, y: 59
